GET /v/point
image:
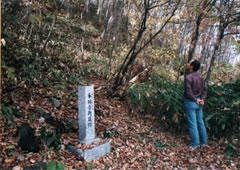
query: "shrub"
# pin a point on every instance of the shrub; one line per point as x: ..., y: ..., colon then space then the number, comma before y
x: 223, y: 109
x: 53, y: 165
x: 164, y: 99
x: 7, y: 112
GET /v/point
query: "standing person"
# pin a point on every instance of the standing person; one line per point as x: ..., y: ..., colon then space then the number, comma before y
x: 194, y: 98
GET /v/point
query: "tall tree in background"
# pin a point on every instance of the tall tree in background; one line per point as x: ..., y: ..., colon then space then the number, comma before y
x: 205, y: 7
x: 229, y: 14
x: 121, y: 77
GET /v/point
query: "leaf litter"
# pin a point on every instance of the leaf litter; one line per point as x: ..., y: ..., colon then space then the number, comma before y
x: 137, y: 141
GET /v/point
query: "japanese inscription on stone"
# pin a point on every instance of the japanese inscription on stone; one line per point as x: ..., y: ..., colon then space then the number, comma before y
x: 90, y: 108
x: 86, y: 114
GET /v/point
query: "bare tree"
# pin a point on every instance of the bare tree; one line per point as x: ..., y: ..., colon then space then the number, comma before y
x: 227, y: 15
x: 206, y: 6
x: 121, y: 77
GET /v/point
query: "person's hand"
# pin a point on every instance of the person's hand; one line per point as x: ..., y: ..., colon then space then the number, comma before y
x: 200, y: 102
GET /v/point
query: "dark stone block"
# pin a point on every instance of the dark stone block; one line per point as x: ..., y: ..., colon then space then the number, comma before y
x: 26, y: 138
x: 37, y: 166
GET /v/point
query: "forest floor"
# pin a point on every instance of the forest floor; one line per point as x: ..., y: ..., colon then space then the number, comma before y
x: 137, y: 141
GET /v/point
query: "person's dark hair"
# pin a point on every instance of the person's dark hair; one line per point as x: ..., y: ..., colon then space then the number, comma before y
x: 196, y: 65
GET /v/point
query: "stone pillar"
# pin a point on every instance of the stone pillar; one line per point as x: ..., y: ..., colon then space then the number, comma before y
x: 86, y: 115
x: 86, y: 120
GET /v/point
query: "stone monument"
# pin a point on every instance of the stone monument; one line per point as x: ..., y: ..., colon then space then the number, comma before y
x: 86, y: 119
x: 86, y: 115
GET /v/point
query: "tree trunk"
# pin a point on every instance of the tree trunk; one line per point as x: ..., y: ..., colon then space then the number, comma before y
x: 226, y: 18
x: 216, y: 47
x: 69, y: 9
x: 118, y: 17
x: 195, y: 35
x: 133, y: 52
x: 131, y: 56
x: 48, y: 37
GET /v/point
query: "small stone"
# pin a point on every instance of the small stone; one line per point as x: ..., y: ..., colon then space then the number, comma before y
x: 192, y: 161
x: 62, y: 147
x: 55, y: 102
x: 20, y: 157
x: 3, y: 42
x: 41, y: 120
x: 32, y: 161
x: 17, y: 168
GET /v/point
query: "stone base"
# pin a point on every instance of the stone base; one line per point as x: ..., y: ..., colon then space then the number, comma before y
x: 91, y: 154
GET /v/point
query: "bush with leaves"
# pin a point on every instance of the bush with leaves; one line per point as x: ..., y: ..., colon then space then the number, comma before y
x: 223, y: 109
x: 7, y: 112
x: 53, y: 165
x: 164, y: 99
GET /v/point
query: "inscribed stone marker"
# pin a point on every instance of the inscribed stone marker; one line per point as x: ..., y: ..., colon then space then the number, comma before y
x: 86, y: 115
x: 86, y: 118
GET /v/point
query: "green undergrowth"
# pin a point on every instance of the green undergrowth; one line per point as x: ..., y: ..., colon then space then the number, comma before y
x: 223, y: 109
x: 57, y: 66
x: 164, y: 99
x: 71, y: 53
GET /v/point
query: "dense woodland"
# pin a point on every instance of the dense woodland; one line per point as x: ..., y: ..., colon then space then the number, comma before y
x: 134, y: 52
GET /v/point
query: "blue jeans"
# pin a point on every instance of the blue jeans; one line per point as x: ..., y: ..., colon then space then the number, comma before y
x: 195, y: 123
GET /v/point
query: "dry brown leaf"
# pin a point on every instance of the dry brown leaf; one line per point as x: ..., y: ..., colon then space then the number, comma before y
x: 9, y: 160
x: 17, y: 168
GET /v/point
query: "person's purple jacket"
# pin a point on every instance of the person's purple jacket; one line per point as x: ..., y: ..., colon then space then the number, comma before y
x: 194, y: 86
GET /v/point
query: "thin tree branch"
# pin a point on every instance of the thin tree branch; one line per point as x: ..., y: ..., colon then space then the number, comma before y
x: 231, y: 33
x: 48, y: 37
x: 160, y: 30
x: 159, y: 5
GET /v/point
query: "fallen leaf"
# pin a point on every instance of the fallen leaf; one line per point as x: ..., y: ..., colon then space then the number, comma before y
x: 9, y: 161
x: 17, y: 168
x: 32, y: 161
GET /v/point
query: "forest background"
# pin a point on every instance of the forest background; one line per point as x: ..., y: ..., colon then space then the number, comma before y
x: 138, y: 48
